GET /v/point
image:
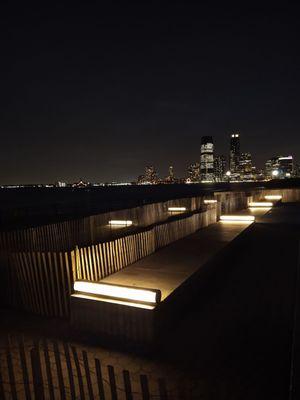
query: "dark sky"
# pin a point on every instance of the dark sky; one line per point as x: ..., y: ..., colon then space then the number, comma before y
x: 98, y: 92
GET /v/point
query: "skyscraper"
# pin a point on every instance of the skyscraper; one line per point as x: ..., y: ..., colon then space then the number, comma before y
x: 280, y: 167
x: 234, y: 156
x: 207, y: 159
x: 220, y: 168
x: 245, y: 163
x: 194, y: 172
x: 247, y: 171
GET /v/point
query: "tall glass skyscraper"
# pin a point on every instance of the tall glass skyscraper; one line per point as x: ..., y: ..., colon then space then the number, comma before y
x: 207, y: 159
x: 234, y: 156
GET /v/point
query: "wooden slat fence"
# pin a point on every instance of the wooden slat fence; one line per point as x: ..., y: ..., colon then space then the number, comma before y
x: 98, y: 261
x: 48, y: 369
x: 44, y: 280
x: 60, y: 236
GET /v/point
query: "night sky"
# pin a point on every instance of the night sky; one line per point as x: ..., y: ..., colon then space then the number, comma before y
x: 98, y: 92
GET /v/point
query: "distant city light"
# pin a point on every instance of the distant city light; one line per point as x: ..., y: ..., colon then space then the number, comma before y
x: 116, y: 222
x: 237, y: 218
x: 260, y: 204
x: 129, y: 293
x: 176, y: 208
x: 285, y: 158
x: 275, y: 172
x: 273, y: 197
x: 228, y: 173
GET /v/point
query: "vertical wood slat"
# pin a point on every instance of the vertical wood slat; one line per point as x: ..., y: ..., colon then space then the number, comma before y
x: 2, y: 393
x: 87, y: 374
x: 25, y: 372
x: 127, y: 385
x: 60, y: 377
x: 163, y: 393
x: 10, y: 369
x: 112, y: 382
x: 145, y: 387
x: 79, y: 375
x: 99, y: 380
x: 70, y: 371
x: 36, y: 373
x: 48, y: 370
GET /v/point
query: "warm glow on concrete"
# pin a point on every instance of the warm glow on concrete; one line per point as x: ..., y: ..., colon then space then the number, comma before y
x: 128, y: 293
x: 273, y: 197
x: 210, y: 201
x: 260, y: 204
x: 176, y: 208
x: 119, y: 222
x: 237, y: 218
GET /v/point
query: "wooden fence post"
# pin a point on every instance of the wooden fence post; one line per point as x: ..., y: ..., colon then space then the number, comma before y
x: 99, y: 379
x: 163, y: 393
x: 127, y: 385
x: 2, y: 394
x: 48, y: 370
x: 145, y: 387
x: 25, y: 374
x: 70, y: 371
x: 59, y: 371
x: 79, y: 375
x: 87, y: 374
x: 10, y: 368
x: 112, y: 382
x: 36, y: 374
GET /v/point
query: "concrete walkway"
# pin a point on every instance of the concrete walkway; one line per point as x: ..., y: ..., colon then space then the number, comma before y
x: 167, y: 268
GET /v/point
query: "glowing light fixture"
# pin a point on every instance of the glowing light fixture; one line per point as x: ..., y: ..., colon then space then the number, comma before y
x: 120, y: 222
x: 119, y: 292
x: 275, y: 172
x: 176, y: 208
x: 273, y: 197
x: 237, y: 218
x: 260, y: 204
x: 210, y: 201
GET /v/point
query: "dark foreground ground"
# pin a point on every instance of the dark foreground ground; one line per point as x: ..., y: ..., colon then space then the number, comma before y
x: 240, y: 339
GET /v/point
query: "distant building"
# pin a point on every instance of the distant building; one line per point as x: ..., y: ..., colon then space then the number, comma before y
x: 279, y: 167
x: 234, y: 155
x: 207, y: 159
x: 286, y: 167
x: 245, y: 163
x: 150, y: 176
x: 296, y: 170
x: 60, y: 184
x: 220, y: 168
x: 170, y: 178
x: 80, y: 184
x: 271, y: 166
x: 194, y: 173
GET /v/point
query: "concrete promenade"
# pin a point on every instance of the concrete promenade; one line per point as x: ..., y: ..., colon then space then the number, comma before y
x: 169, y: 267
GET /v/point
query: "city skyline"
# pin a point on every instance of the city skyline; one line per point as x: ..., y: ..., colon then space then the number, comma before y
x: 98, y: 92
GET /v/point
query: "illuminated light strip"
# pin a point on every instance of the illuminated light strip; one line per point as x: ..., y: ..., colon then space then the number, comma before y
x: 273, y: 197
x: 260, y: 204
x: 259, y: 209
x: 176, y: 208
x: 237, y: 218
x: 113, y: 301
x: 127, y: 293
x: 210, y: 201
x: 119, y: 222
